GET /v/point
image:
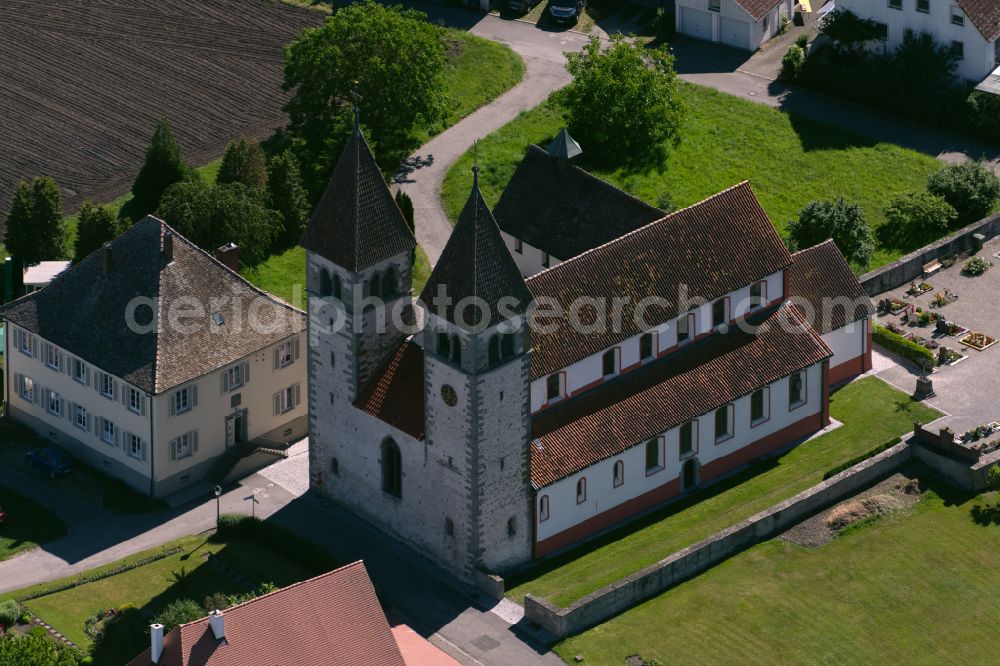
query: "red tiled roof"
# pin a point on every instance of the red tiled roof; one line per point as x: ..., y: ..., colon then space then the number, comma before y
x: 757, y: 8
x: 396, y: 392
x: 985, y: 15
x: 694, y: 381
x: 331, y: 620
x: 721, y: 244
x: 417, y: 651
x: 822, y: 279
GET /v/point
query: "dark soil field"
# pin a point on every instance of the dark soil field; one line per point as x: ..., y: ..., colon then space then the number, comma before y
x: 82, y: 83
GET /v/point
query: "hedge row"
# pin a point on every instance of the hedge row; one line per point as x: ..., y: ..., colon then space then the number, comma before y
x: 278, y: 539
x: 122, y: 568
x: 919, y: 354
x: 863, y: 457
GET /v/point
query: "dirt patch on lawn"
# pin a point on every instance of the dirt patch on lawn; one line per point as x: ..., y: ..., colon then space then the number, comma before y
x: 897, y: 493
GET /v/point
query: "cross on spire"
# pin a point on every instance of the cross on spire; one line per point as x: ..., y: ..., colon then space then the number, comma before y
x: 356, y: 108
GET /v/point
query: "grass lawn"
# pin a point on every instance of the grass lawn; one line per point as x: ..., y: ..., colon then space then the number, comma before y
x: 917, y: 587
x: 872, y: 412
x: 27, y: 526
x: 789, y: 161
x: 153, y: 586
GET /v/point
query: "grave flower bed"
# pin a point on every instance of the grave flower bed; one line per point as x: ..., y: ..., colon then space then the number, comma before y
x: 918, y: 288
x: 895, y: 305
x: 948, y: 356
x: 976, y: 340
x: 955, y: 330
x: 942, y: 299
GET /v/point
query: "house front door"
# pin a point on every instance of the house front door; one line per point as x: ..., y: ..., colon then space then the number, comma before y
x: 230, y: 430
x: 236, y: 428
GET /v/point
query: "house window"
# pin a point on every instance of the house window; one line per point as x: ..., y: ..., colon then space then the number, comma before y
x: 646, y: 346
x: 79, y: 371
x: 543, y: 508
x: 286, y: 354
x: 546, y: 260
x: 52, y: 357
x: 81, y: 418
x: 924, y: 6
x: 895, y: 4
x: 714, y: 5
x: 518, y: 246
x: 185, y: 446
x: 686, y: 436
x: 286, y: 399
x: 134, y: 447
x: 553, y: 387
x: 654, y: 455
x: 796, y: 389
x: 28, y: 389
x: 54, y: 404
x: 392, y: 468
x: 756, y: 295
x: 609, y: 362
x: 27, y: 343
x: 107, y: 385
x: 234, y: 377
x: 109, y: 432
x: 182, y: 400
x: 618, y: 474
x: 958, y: 50
x: 134, y: 400
x: 723, y: 423
x: 581, y: 490
x: 758, y: 406
x: 957, y: 17
x: 685, y: 324
x: 719, y: 312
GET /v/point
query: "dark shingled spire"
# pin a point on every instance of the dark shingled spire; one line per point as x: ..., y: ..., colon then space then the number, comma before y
x: 477, y: 264
x: 357, y: 224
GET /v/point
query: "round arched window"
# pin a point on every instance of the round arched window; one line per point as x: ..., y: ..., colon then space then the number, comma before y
x: 448, y: 395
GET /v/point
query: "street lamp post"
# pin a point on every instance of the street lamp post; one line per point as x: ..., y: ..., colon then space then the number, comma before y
x: 218, y: 503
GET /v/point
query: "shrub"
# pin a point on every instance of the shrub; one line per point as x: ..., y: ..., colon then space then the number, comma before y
x: 278, y: 539
x: 791, y: 64
x: 216, y: 600
x: 976, y: 266
x: 802, y: 41
x: 915, y: 219
x: 179, y: 611
x: 861, y: 458
x: 843, y: 222
x: 10, y: 612
x: 993, y: 478
x: 909, y: 349
x: 971, y: 188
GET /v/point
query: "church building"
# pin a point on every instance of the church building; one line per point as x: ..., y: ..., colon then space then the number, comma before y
x: 517, y: 421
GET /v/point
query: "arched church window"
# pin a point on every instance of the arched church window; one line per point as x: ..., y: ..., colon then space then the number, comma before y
x: 338, y: 289
x: 494, y: 351
x: 443, y: 345
x: 456, y: 349
x: 325, y: 283
x: 392, y: 468
x: 507, y: 346
x: 375, y: 286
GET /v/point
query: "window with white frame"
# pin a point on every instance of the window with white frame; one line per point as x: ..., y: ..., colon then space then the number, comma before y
x: 52, y: 357
x: 618, y: 473
x: 287, y: 399
x: 134, y: 400
x: 109, y: 432
x: 543, y: 508
x: 28, y: 389
x: 723, y: 423
x: 687, y: 436
x: 759, y: 407
x: 757, y: 294
x: 234, y: 377
x: 107, y: 385
x: 79, y: 371
x: 182, y: 400
x: 184, y: 446
x: 796, y: 389
x: 654, y: 455
x: 581, y: 490
x: 81, y: 418
x: 55, y: 404
x: 286, y: 354
x: 957, y: 17
x: 553, y: 386
x: 134, y: 446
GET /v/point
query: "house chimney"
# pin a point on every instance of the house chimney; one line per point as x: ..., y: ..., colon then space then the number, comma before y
x: 218, y: 626
x: 168, y: 247
x: 155, y: 643
x: 106, y: 259
x: 229, y: 256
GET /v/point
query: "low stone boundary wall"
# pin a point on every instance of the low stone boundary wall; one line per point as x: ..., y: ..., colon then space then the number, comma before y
x: 911, y: 267
x: 682, y: 565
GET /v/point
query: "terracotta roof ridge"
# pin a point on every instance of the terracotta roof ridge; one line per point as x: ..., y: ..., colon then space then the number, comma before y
x: 788, y: 305
x: 828, y: 241
x: 666, y: 217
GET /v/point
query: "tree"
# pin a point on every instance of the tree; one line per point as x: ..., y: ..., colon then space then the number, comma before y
x: 163, y: 167
x: 839, y: 220
x: 97, y: 226
x: 35, y: 228
x: 971, y: 188
x: 286, y: 195
x: 849, y: 33
x: 33, y: 650
x: 178, y: 612
x: 393, y: 57
x: 912, y: 220
x: 623, y: 102
x: 405, y: 204
x: 211, y: 216
x: 243, y: 163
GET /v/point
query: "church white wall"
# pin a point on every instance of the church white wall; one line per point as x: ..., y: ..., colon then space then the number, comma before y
x: 564, y: 512
x: 530, y: 259
x: 847, y: 342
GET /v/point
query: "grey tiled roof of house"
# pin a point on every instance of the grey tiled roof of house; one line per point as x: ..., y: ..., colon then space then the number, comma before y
x: 357, y: 224
x: 476, y: 263
x: 84, y: 311
x: 565, y: 211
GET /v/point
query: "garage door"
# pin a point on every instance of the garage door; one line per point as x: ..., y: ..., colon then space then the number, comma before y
x: 696, y: 23
x: 734, y: 33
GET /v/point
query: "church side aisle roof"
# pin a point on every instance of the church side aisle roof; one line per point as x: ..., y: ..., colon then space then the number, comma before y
x: 395, y: 394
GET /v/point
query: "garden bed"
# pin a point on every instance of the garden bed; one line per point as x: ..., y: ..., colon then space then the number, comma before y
x: 916, y: 289
x: 942, y: 299
x: 947, y: 356
x: 978, y: 341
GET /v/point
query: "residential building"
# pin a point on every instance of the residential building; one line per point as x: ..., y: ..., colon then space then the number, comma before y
x: 149, y: 359
x: 743, y: 24
x: 331, y: 620
x: 42, y: 273
x: 497, y: 430
x: 970, y: 28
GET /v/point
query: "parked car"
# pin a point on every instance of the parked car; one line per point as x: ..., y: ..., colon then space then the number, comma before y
x: 52, y: 460
x: 566, y: 11
x: 521, y: 6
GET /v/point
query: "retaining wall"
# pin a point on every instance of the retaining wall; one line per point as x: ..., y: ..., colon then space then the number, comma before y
x: 682, y: 565
x: 910, y: 267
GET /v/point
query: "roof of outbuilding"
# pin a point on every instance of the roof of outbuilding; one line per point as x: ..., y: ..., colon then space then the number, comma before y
x: 85, y: 312
x: 476, y: 267
x: 645, y: 403
x: 721, y: 244
x: 332, y: 620
x: 395, y: 393
x: 357, y: 223
x: 821, y: 278
x: 985, y: 15
x: 566, y: 211
x: 757, y: 8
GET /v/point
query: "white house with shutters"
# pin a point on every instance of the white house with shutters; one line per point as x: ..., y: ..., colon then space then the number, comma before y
x: 150, y: 359
x: 742, y: 24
